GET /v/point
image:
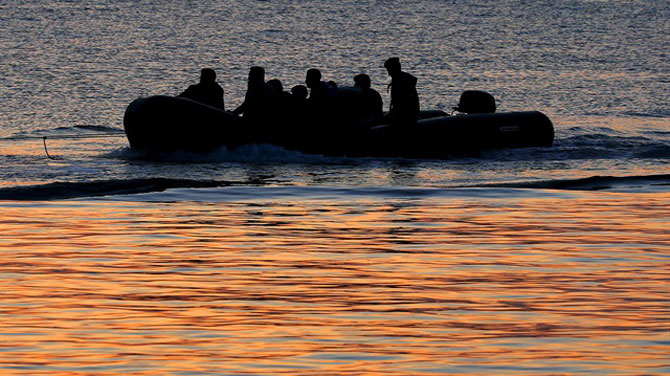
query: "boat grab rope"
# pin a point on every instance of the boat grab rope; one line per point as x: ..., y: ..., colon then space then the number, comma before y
x: 44, y: 138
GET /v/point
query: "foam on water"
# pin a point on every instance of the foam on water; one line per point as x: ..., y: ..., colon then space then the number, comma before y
x: 253, y: 153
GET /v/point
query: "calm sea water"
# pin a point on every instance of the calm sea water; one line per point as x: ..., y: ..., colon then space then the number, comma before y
x: 264, y: 261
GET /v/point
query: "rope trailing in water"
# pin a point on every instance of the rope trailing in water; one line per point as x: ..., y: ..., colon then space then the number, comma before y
x: 44, y: 138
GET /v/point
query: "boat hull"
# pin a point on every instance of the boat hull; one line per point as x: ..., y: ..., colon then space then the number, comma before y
x: 163, y: 123
x: 465, y: 135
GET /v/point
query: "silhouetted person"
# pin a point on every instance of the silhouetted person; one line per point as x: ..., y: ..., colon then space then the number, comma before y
x: 321, y: 96
x: 372, y: 106
x: 276, y: 85
x: 299, y: 95
x: 207, y: 91
x: 298, y: 105
x: 404, y: 108
x: 282, y: 98
x: 297, y: 126
x: 280, y: 107
x: 258, y: 99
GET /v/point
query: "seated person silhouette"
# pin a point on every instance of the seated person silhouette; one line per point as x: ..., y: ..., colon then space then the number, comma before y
x: 281, y: 98
x: 258, y: 99
x: 299, y: 95
x: 372, y: 107
x: 296, y: 127
x: 207, y: 91
x: 321, y: 96
x: 280, y: 106
x: 404, y: 108
x: 276, y: 85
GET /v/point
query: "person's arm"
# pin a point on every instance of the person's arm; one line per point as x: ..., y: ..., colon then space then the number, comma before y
x: 240, y: 109
x: 219, y: 98
x: 186, y: 93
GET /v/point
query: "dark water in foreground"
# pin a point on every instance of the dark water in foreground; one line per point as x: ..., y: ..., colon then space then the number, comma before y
x: 264, y: 261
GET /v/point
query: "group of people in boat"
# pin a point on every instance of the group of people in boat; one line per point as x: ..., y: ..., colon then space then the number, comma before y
x: 266, y: 102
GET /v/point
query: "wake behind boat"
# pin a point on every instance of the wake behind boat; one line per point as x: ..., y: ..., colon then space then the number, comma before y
x: 165, y: 124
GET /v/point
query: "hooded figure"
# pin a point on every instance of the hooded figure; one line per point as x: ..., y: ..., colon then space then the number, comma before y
x: 404, y: 108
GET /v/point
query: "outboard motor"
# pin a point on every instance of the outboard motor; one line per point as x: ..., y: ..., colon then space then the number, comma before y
x: 476, y: 102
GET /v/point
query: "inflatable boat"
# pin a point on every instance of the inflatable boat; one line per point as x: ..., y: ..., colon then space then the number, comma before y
x: 165, y: 123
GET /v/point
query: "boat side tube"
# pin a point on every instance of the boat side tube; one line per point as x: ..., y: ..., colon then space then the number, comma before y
x: 165, y: 123
x: 465, y: 134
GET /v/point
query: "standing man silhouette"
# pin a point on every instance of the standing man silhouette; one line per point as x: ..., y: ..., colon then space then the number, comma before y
x: 404, y: 108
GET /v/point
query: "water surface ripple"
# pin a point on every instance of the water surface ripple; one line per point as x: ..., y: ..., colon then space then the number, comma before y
x: 265, y: 261
x: 362, y: 285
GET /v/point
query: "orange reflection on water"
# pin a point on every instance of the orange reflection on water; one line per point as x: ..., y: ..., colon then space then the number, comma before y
x: 431, y: 286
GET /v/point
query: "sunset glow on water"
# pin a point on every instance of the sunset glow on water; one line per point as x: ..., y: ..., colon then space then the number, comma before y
x: 563, y: 285
x: 263, y: 260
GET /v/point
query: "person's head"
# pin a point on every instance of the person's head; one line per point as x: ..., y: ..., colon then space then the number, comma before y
x: 276, y: 85
x: 332, y: 84
x: 362, y: 80
x: 299, y: 91
x: 207, y: 75
x: 313, y: 77
x: 392, y: 66
x: 256, y: 75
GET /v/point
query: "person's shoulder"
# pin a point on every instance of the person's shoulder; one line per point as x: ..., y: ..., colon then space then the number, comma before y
x: 190, y: 90
x: 407, y: 76
x: 408, y: 79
